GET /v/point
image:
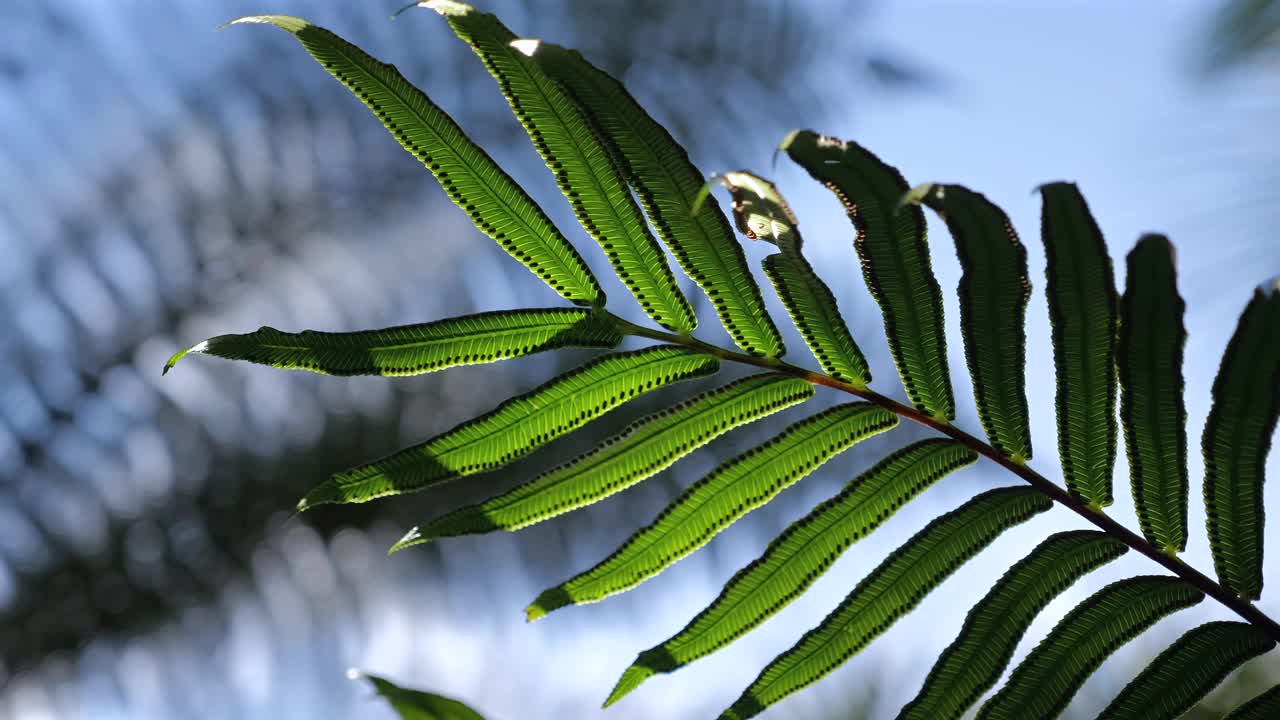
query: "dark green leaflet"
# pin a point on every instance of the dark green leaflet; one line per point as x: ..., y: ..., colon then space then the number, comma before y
x: 761, y: 213
x: 1263, y: 707
x: 1237, y: 438
x: 718, y: 500
x: 1082, y: 310
x: 416, y: 349
x: 1042, y: 685
x: 518, y: 426
x: 974, y: 662
x: 1186, y: 671
x: 799, y: 556
x: 418, y: 705
x: 994, y: 292
x: 895, y: 260
x: 1152, y: 411
x: 667, y: 183
x: 890, y: 591
x: 645, y: 448
x: 584, y: 169
x: 496, y: 204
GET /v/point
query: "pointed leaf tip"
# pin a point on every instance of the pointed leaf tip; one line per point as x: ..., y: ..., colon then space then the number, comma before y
x: 411, y: 538
x: 631, y: 679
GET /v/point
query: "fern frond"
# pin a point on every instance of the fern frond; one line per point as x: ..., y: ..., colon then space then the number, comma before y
x: 800, y: 555
x: 994, y: 291
x: 1237, y: 438
x: 667, y: 184
x: 995, y: 625
x: 584, y: 169
x: 1152, y: 411
x: 890, y: 591
x: 415, y: 349
x: 718, y: 500
x: 1042, y: 685
x: 498, y: 206
x: 1263, y: 707
x: 1082, y: 310
x: 418, y: 705
x: 895, y: 260
x: 1186, y: 671
x: 640, y: 451
x: 518, y: 426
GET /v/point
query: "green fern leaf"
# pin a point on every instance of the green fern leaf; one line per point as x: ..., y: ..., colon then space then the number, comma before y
x: 418, y: 705
x: 1082, y: 310
x: 415, y: 349
x: 1152, y: 411
x: 973, y: 663
x: 642, y: 450
x: 994, y: 292
x: 1186, y: 671
x: 1263, y: 707
x: 1042, y: 685
x: 518, y: 426
x: 890, y: 591
x: 895, y: 261
x: 667, y: 184
x: 1237, y: 438
x: 762, y: 214
x: 800, y: 555
x: 720, y: 499
x: 584, y: 168
x: 498, y: 206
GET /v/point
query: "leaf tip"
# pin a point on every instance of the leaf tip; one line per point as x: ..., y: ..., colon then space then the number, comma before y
x: 630, y: 680
x: 534, y: 612
x: 200, y: 347
x: 411, y: 538
x: 788, y: 139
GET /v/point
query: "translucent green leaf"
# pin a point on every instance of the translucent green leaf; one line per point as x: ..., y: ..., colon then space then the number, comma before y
x: 1186, y: 671
x: 667, y: 184
x: 761, y: 213
x: 890, y: 591
x: 718, y: 500
x: 1042, y: 685
x: 645, y: 448
x: 994, y: 291
x: 415, y: 349
x: 1263, y: 707
x: 418, y: 705
x: 518, y: 426
x: 1152, y: 411
x: 799, y: 556
x: 496, y: 204
x: 974, y: 662
x: 1237, y: 438
x: 895, y: 260
x: 1082, y: 310
x: 584, y: 168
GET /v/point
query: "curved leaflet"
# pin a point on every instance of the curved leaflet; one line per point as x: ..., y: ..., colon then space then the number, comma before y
x: 418, y: 705
x: 720, y: 499
x: 1263, y: 707
x: 642, y: 450
x: 518, y: 426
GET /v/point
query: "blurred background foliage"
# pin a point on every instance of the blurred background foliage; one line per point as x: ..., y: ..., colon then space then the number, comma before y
x: 163, y: 183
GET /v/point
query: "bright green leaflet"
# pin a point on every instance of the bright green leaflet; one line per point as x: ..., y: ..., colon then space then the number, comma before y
x: 1186, y: 671
x: 418, y: 705
x: 994, y: 291
x: 761, y: 213
x: 973, y: 663
x: 1042, y: 685
x: 895, y: 260
x: 1264, y: 707
x: 667, y: 182
x: 1082, y: 311
x: 416, y: 349
x: 718, y: 500
x: 640, y: 451
x: 799, y: 556
x: 890, y: 591
x: 1152, y: 412
x: 1237, y: 438
x: 584, y: 169
x: 518, y: 426
x: 498, y: 206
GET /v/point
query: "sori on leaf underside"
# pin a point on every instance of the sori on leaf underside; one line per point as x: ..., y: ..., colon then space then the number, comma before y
x: 1110, y: 347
